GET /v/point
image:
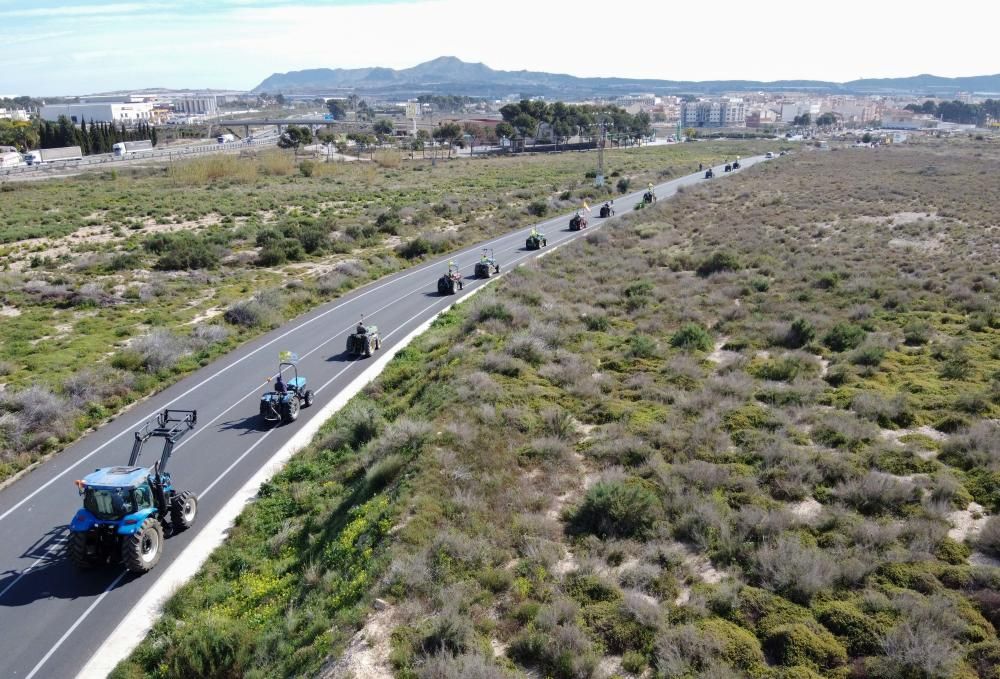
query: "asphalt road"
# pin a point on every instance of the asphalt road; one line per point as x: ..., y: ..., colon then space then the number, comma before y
x: 52, y: 617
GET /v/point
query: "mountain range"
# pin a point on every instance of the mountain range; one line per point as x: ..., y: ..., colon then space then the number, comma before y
x: 450, y: 75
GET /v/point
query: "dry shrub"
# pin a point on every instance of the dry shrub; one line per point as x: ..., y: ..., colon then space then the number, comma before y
x: 213, y: 167
x: 159, y: 350
x: 794, y: 570
x: 276, y: 163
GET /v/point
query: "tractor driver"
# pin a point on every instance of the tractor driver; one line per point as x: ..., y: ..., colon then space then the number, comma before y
x: 361, y: 329
x: 279, y: 385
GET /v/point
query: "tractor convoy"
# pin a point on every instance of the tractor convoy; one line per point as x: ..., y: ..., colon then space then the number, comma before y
x: 129, y: 510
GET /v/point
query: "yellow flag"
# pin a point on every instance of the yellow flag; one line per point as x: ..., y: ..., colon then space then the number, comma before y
x: 585, y: 206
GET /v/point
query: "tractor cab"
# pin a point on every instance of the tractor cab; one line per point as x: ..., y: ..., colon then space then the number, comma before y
x: 126, y: 508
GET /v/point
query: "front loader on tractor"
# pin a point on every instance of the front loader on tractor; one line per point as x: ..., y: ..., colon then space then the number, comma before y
x: 126, y: 510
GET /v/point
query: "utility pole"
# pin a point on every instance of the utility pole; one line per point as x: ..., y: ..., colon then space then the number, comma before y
x: 599, y: 180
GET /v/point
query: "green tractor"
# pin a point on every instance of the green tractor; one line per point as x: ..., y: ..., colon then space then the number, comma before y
x: 128, y: 509
x: 487, y: 265
x: 364, y: 341
x: 536, y: 240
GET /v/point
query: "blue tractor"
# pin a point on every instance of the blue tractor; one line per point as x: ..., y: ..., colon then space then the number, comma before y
x: 282, y: 404
x: 126, y: 510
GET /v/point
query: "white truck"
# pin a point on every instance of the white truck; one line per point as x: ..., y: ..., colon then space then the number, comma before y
x: 10, y: 159
x: 124, y: 149
x: 40, y: 156
x: 223, y: 138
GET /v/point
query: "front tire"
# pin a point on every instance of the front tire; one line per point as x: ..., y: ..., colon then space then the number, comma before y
x: 79, y: 552
x: 141, y: 550
x: 308, y: 398
x: 183, y: 510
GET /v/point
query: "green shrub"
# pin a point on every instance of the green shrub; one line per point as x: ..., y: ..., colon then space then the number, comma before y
x: 184, y: 251
x: 760, y: 284
x: 844, y: 336
x: 860, y: 632
x: 738, y: 647
x: 633, y: 662
x: 718, y: 261
x: 211, y: 645
x: 617, y: 627
x: 623, y: 184
x: 799, y: 644
x: 989, y: 537
x: 617, y: 509
x: 799, y: 334
x: 692, y: 337
x: 596, y: 323
x: 641, y: 346
x: 538, y: 208
x: 916, y: 333
x: 784, y: 369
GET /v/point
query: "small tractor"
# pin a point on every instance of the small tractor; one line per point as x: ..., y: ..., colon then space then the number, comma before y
x: 451, y: 282
x: 577, y: 222
x: 364, y: 341
x: 284, y: 402
x: 487, y: 265
x: 535, y: 241
x: 607, y: 210
x: 649, y: 197
x: 709, y: 174
x: 126, y: 510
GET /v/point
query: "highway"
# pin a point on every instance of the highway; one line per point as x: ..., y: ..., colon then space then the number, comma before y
x: 103, y: 161
x: 54, y: 618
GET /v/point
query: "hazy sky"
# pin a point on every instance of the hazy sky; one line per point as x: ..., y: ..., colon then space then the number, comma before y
x: 52, y: 47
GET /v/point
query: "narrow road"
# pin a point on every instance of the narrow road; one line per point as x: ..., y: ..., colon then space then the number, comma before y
x: 52, y: 617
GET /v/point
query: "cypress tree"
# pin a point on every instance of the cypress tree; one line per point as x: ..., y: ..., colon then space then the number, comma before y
x: 152, y: 135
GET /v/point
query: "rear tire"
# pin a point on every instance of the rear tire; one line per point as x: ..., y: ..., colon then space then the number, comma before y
x: 79, y: 553
x: 141, y: 550
x: 183, y: 510
x: 290, y: 410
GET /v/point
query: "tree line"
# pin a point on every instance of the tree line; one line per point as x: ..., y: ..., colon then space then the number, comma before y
x: 959, y: 112
x: 563, y: 121
x: 93, y: 138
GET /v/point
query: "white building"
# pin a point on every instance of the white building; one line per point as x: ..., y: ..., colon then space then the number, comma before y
x: 196, y: 105
x: 723, y: 112
x: 119, y: 113
x: 790, y: 110
x: 14, y: 114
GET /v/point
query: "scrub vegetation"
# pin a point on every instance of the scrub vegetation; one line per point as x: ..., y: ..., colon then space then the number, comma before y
x: 144, y: 278
x: 625, y: 460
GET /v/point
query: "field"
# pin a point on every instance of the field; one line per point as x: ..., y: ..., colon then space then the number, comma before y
x: 146, y: 277
x: 752, y: 431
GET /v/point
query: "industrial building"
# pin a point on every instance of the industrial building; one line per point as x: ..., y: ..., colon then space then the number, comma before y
x: 196, y: 105
x: 116, y: 112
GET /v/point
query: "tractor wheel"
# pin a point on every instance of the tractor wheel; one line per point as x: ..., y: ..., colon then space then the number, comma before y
x: 308, y: 397
x: 378, y: 343
x: 141, y: 550
x: 368, y: 347
x: 461, y: 285
x: 183, y: 509
x: 79, y: 552
x: 497, y: 268
x: 290, y: 410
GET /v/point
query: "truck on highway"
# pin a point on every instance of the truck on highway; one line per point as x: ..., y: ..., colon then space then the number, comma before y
x: 223, y: 138
x: 41, y: 156
x: 10, y: 159
x: 123, y: 149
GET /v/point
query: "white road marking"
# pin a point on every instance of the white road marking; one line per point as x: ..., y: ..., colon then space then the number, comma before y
x: 53, y: 548
x: 64, y: 637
